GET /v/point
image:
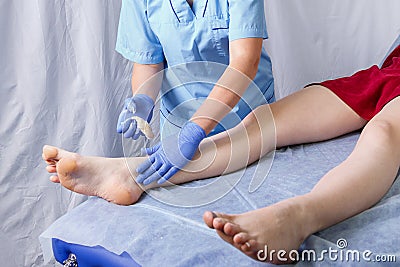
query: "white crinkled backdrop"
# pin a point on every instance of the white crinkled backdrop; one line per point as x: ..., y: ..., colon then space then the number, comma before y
x: 61, y: 83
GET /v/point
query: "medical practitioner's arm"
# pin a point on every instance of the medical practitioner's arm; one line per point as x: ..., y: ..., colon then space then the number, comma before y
x: 174, y: 152
x: 140, y: 79
x: 244, y: 58
x: 141, y: 104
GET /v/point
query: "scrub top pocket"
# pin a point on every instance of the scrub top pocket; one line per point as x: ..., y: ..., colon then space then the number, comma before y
x: 220, y: 36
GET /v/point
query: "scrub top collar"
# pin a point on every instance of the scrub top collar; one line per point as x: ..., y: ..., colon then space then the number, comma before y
x: 184, y: 12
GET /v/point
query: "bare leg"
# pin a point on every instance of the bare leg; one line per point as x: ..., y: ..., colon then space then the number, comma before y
x: 365, y: 176
x: 112, y: 179
x: 313, y: 114
x: 353, y: 186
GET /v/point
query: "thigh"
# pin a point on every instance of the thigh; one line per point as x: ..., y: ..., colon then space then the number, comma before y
x: 313, y: 114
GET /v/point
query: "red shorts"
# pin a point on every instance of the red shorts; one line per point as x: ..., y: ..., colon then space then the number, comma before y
x: 368, y: 91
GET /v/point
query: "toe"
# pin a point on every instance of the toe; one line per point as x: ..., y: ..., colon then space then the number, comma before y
x: 51, y: 168
x: 249, y: 246
x: 219, y: 223
x: 231, y: 229
x: 227, y: 239
x: 241, y: 238
x: 49, y: 152
x: 55, y: 179
x: 220, y: 220
x: 245, y: 242
x: 48, y: 161
x: 208, y: 218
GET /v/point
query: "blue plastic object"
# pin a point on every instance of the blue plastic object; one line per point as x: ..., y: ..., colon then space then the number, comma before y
x: 96, y: 256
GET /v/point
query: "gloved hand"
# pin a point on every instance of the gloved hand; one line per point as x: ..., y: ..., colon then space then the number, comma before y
x: 139, y: 105
x: 170, y: 155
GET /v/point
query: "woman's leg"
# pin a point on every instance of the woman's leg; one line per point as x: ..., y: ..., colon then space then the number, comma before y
x: 365, y: 176
x: 312, y: 114
x: 353, y: 186
x: 309, y: 115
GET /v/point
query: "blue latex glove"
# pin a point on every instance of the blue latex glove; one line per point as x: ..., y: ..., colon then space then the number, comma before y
x: 139, y: 105
x: 170, y: 155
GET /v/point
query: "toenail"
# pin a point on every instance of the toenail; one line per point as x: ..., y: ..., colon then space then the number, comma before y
x: 248, y: 244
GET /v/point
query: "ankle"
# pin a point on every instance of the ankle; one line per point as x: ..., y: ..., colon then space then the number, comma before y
x: 310, y: 210
x: 302, y: 212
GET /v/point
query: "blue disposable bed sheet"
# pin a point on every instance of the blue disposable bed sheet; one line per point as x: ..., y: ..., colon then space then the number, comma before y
x: 150, y: 232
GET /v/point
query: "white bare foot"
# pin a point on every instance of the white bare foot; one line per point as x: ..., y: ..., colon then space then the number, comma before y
x: 108, y: 178
x: 279, y: 227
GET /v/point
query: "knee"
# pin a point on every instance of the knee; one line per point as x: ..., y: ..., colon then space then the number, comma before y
x: 381, y: 133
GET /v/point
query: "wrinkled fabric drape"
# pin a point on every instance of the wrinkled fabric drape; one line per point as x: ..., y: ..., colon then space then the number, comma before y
x: 62, y: 83
x: 315, y: 40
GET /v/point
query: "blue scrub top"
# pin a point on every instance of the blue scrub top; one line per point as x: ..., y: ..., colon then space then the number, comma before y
x: 153, y: 31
